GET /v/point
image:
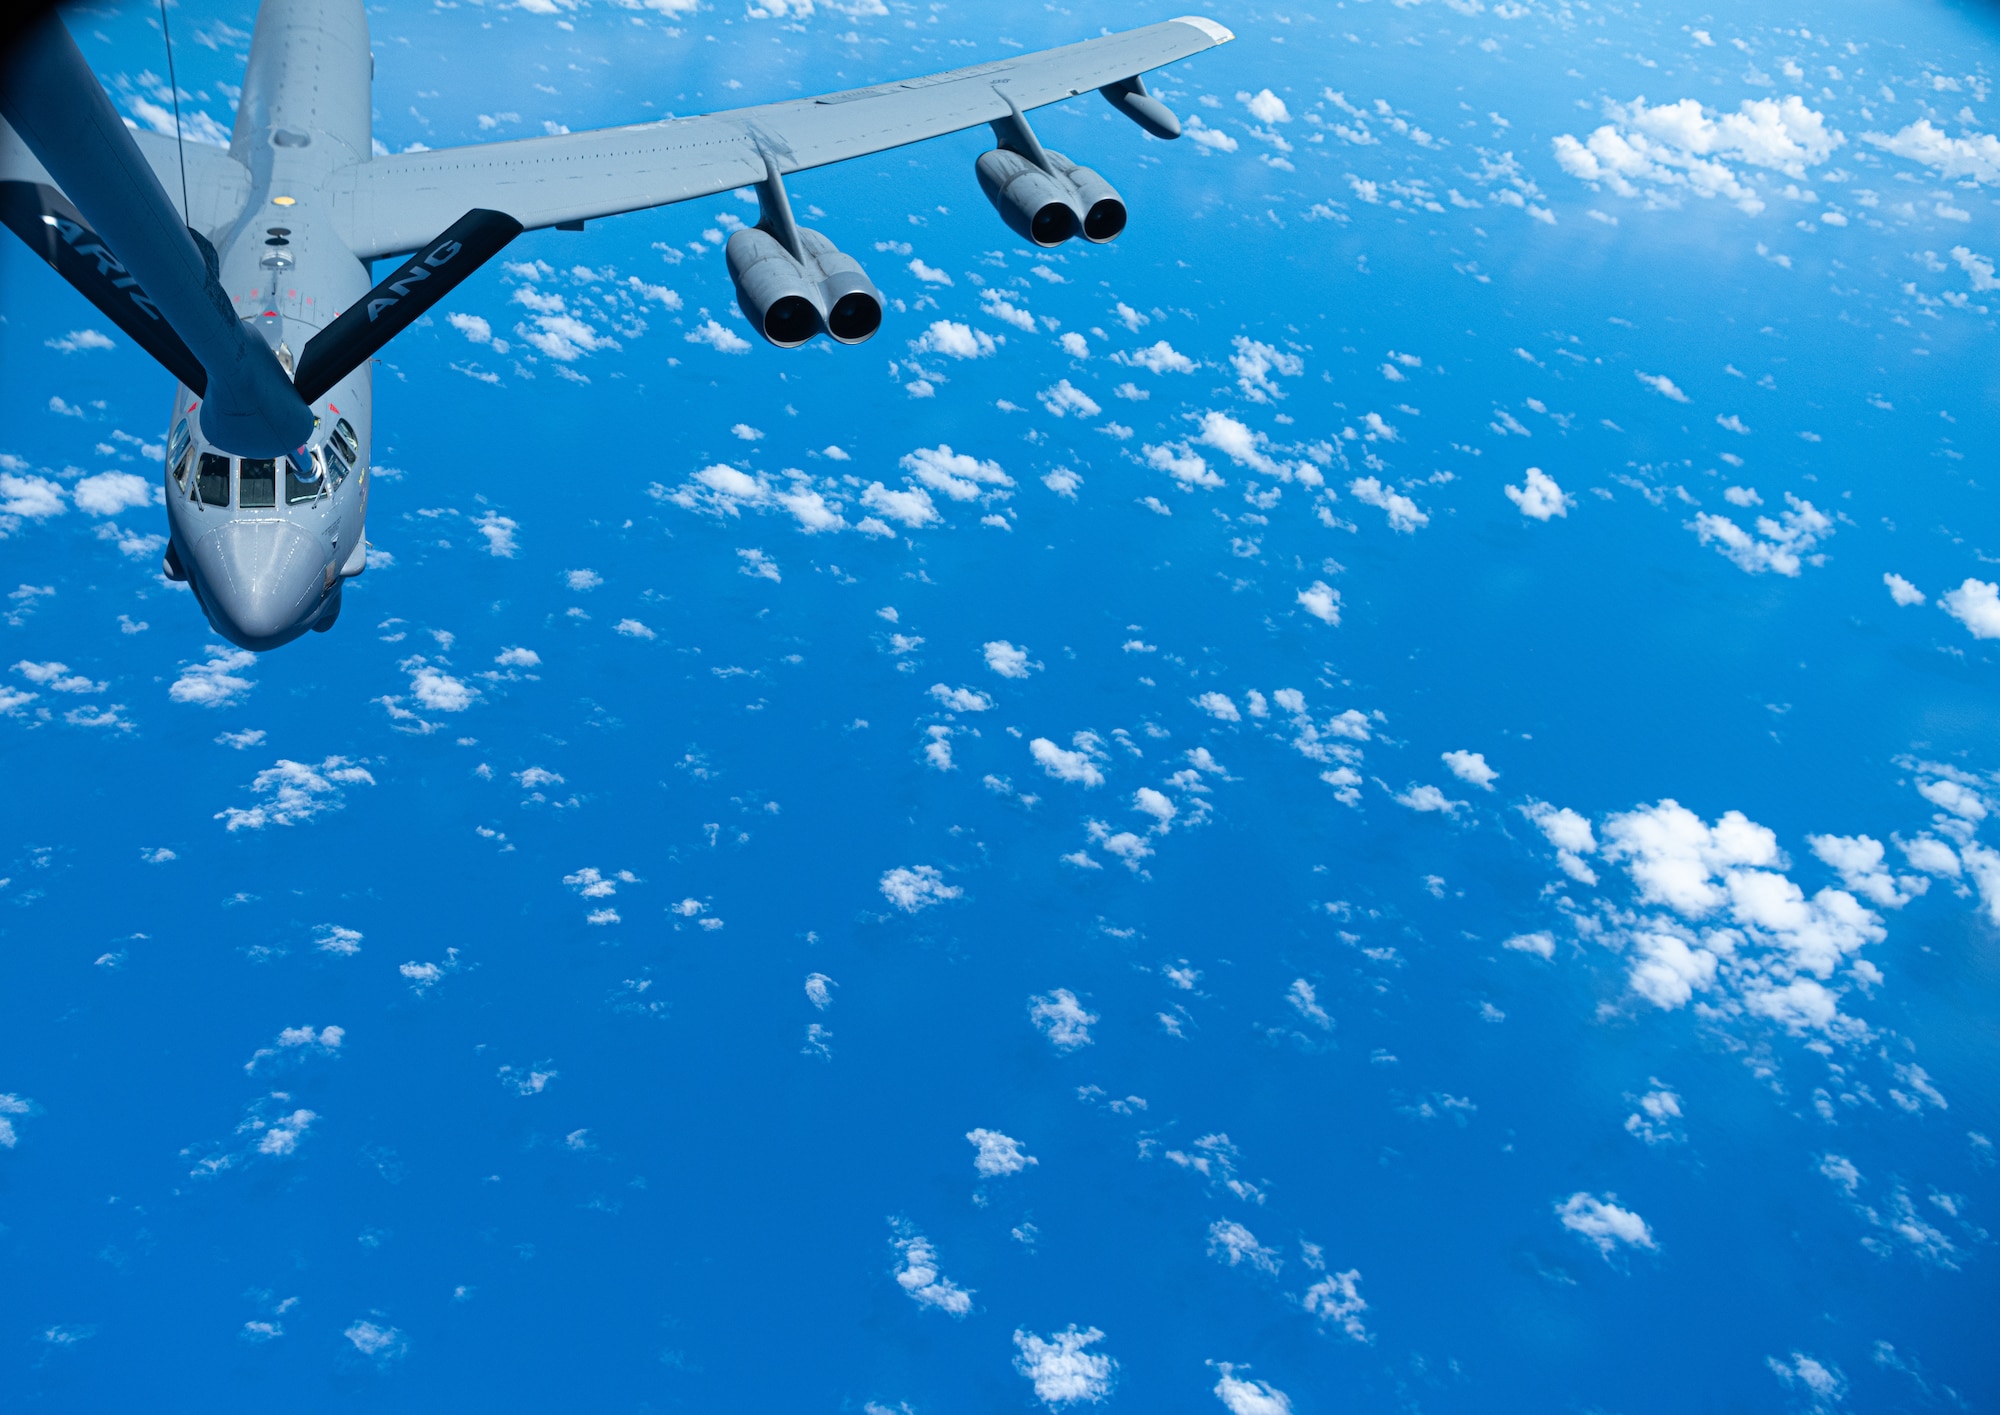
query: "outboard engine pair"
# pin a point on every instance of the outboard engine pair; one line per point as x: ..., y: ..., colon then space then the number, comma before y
x: 793, y: 283
x: 1042, y: 194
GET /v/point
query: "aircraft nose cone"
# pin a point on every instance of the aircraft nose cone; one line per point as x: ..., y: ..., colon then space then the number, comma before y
x: 262, y: 581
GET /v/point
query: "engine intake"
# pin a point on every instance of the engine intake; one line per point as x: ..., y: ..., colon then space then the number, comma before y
x: 1043, y: 195
x: 793, y: 283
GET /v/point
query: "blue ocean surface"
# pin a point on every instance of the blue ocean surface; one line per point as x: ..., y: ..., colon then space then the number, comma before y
x: 1378, y: 796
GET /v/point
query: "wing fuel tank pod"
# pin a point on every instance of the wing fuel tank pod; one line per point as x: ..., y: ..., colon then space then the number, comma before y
x: 1041, y: 194
x: 793, y: 283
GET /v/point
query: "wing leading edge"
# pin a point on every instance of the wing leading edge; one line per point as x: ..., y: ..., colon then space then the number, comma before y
x: 392, y: 205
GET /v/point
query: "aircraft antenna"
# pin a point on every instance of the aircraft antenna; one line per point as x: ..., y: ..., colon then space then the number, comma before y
x: 173, y: 84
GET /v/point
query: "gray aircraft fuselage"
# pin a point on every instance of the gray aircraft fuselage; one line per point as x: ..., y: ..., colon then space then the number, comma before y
x: 267, y: 551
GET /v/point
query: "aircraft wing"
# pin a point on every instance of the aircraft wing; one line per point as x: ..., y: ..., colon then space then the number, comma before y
x: 217, y: 184
x: 391, y: 205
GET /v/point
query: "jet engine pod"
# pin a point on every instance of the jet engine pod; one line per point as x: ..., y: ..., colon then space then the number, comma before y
x: 852, y: 304
x: 1037, y: 204
x: 773, y: 290
x: 1103, y: 209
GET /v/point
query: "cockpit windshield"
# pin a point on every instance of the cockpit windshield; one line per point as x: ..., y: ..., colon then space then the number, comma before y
x: 212, y: 482
x: 257, y: 484
x: 305, y: 475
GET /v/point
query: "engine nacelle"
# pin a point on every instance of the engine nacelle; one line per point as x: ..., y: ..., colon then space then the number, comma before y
x: 790, y: 300
x: 1048, y: 205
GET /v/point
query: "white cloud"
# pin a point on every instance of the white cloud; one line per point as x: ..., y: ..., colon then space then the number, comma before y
x: 436, y: 689
x: 917, y: 1274
x: 1978, y: 267
x: 1902, y: 591
x: 633, y: 629
x: 911, y: 506
x: 1858, y: 860
x: 1402, y: 512
x: 1213, y: 139
x: 1158, y: 358
x: 960, y: 341
x: 917, y: 887
x: 997, y: 1154
x: 1336, y: 1299
x: 1429, y: 798
x: 499, y: 533
x: 722, y: 340
x: 1976, y: 605
x: 1663, y: 386
x: 1183, y: 465
x: 1603, y: 1223
x: 1657, y: 1120
x: 1254, y: 364
x: 11, y: 1105
x: 1543, y: 945
x: 294, y: 792
x: 214, y: 683
x: 1061, y: 1018
x: 30, y: 498
x: 1976, y: 156
x: 1541, y: 498
x: 1321, y: 601
x: 929, y: 274
x: 1008, y: 661
x: 1063, y: 482
x: 1305, y: 1001
x: 955, y: 474
x: 1065, y: 397
x: 57, y: 678
x: 1779, y: 545
x: 1823, y: 1385
x: 1570, y: 833
x: 77, y: 340
x: 1063, y: 765
x: 1471, y: 767
x: 1230, y: 1242
x: 1265, y: 106
x: 960, y: 699
x: 999, y: 307
x: 1063, y: 1371
x: 1664, y: 150
x: 518, y: 658
x: 108, y: 493
x: 1155, y: 804
x: 1218, y: 705
x: 1075, y: 345
x: 379, y: 1343
x: 1246, y: 1397
x: 581, y: 580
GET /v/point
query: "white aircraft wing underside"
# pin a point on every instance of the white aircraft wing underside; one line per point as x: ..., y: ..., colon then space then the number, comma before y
x: 391, y: 205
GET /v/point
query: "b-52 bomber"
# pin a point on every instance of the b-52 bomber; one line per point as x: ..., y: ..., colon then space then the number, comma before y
x: 255, y: 293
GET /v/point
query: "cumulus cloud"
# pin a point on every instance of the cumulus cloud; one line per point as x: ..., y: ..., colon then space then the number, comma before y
x: 108, y: 493
x: 24, y: 498
x: 1429, y: 798
x: 956, y: 475
x: 918, y: 1275
x: 1663, y: 386
x: 1976, y: 155
x: 1663, y: 151
x: 1570, y: 833
x: 1062, y: 1019
x: 1241, y: 1396
x: 1782, y: 545
x: 1161, y: 357
x: 293, y: 793
x: 722, y: 340
x: 213, y: 683
x: 958, y: 341
x: 1062, y: 1368
x: 1255, y: 364
x: 1321, y: 601
x: 1065, y: 397
x: 1337, y: 1301
x: 1402, y: 512
x: 1079, y: 766
x: 1471, y: 767
x: 1976, y: 605
x: 1178, y: 461
x: 1230, y: 1242
x: 1823, y: 1385
x: 911, y: 506
x: 1007, y: 660
x: 1218, y: 705
x: 1603, y: 1223
x: 960, y: 699
x: 1540, y: 498
x: 917, y: 887
x: 997, y: 1154
x: 1902, y: 591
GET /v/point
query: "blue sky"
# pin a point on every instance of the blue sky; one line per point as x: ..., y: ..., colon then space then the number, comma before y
x: 1113, y: 845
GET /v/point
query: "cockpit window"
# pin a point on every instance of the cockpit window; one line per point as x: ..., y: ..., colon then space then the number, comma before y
x: 212, y: 483
x: 257, y: 484
x: 305, y: 475
x: 181, y: 465
x: 344, y: 441
x: 178, y: 443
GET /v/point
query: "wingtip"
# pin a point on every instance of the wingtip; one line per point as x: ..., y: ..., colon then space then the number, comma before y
x: 1216, y: 33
